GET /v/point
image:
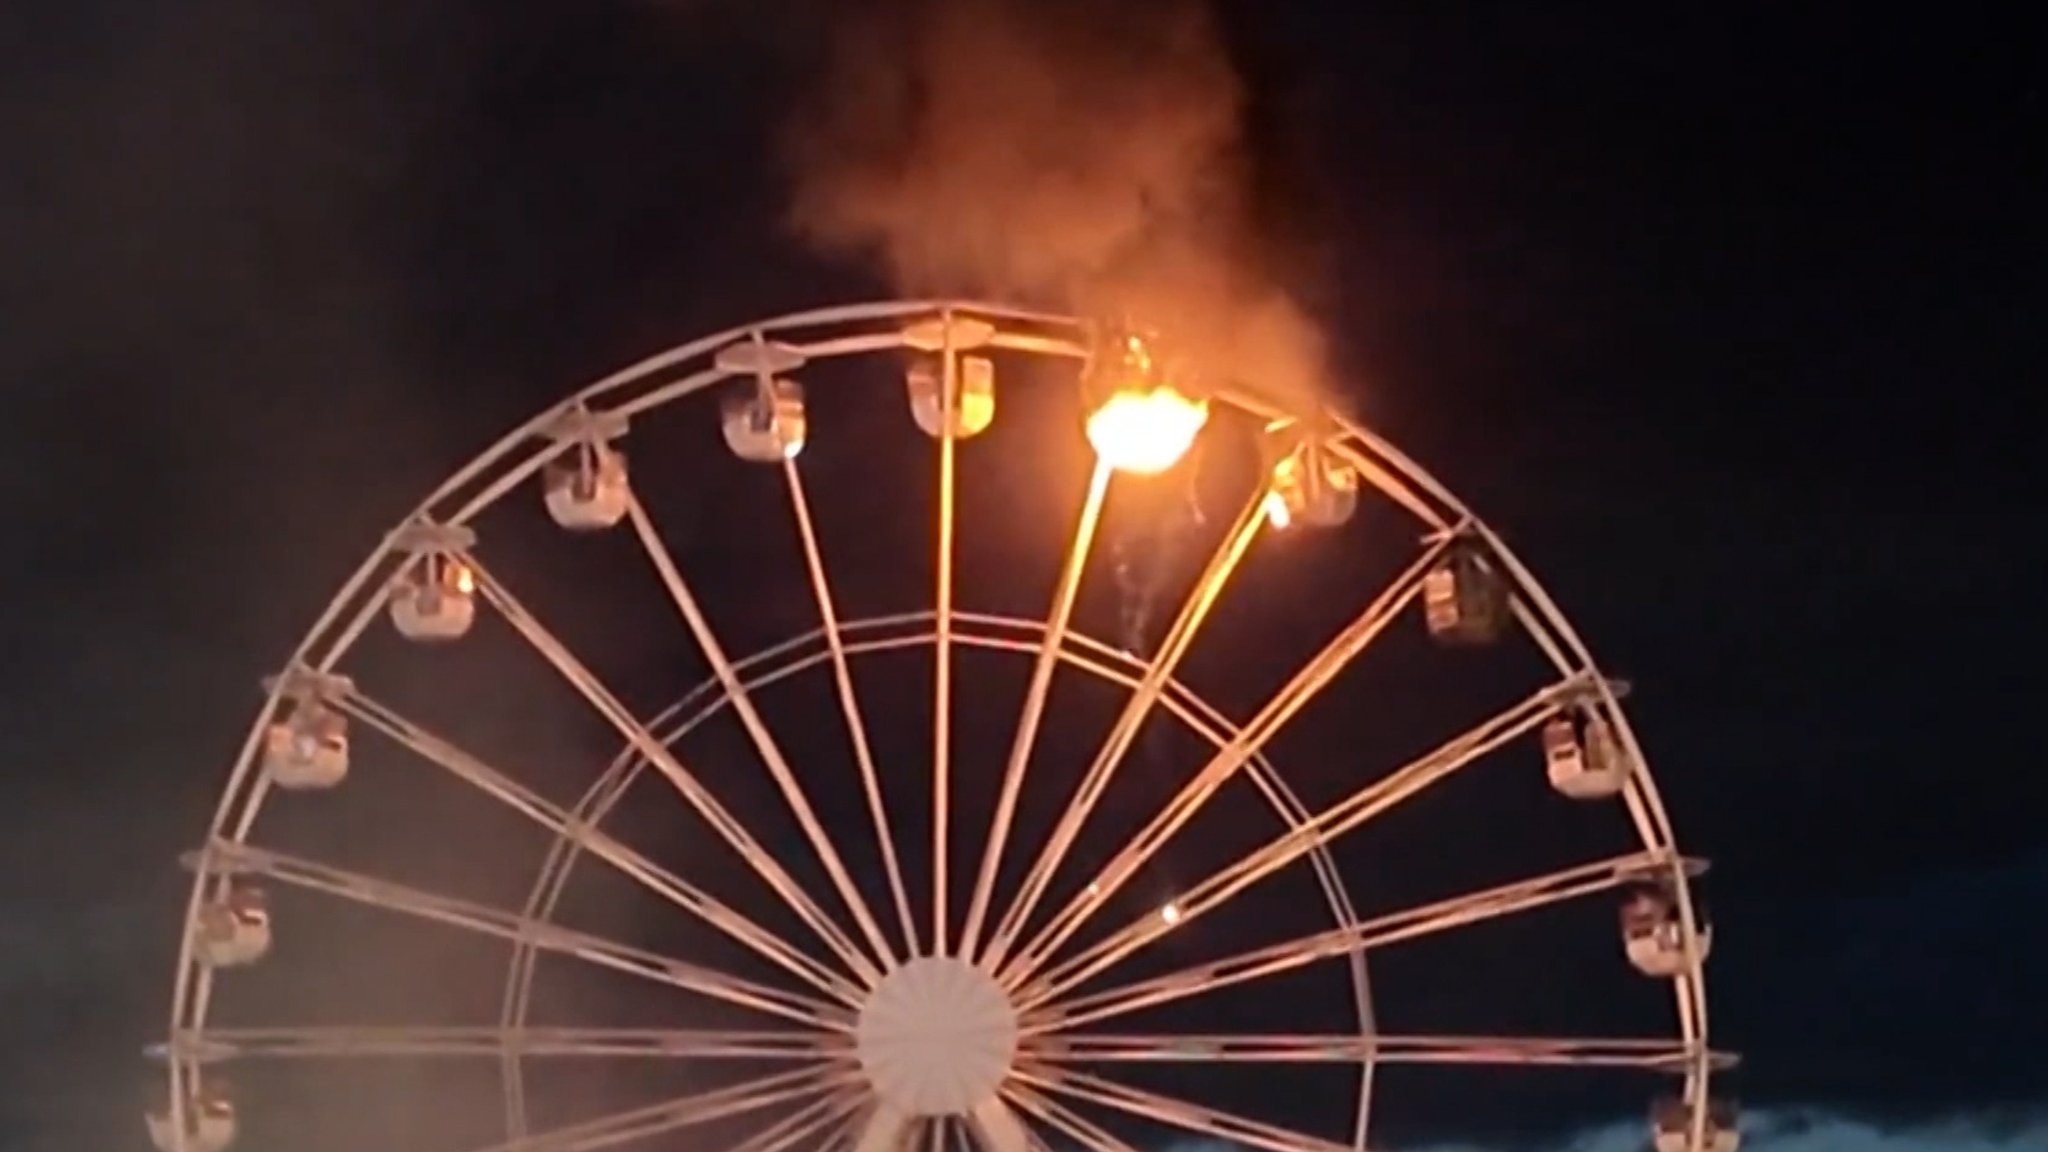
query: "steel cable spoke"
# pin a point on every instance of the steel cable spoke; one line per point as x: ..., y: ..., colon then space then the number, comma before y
x: 942, y: 641
x: 674, y: 1115
x: 558, y: 821
x: 722, y: 821
x: 1312, y: 678
x: 1076, y: 1127
x: 342, y: 1042
x: 1180, y: 635
x: 247, y: 860
x: 849, y: 705
x: 757, y: 730
x: 1327, y: 825
x: 1649, y: 1054
x: 1196, y: 1118
x: 1057, y: 620
x: 1378, y: 932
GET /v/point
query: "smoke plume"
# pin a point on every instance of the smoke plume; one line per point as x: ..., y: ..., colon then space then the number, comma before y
x: 1082, y: 154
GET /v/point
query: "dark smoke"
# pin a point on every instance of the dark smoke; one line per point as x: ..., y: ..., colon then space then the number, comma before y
x: 1085, y: 154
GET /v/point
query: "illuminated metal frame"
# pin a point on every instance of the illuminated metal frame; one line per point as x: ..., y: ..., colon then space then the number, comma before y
x: 1048, y: 1070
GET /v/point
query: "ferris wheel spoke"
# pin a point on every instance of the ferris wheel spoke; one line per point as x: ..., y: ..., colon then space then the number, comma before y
x: 1057, y: 621
x: 1091, y: 1136
x: 849, y: 705
x: 679, y: 1113
x: 1179, y: 637
x: 591, y: 839
x: 664, y: 761
x: 327, y: 1043
x: 757, y: 729
x: 248, y: 860
x: 1332, y: 822
x: 1648, y: 1054
x: 1378, y: 932
x: 942, y: 636
x: 1232, y: 757
x: 823, y: 1125
x: 1179, y: 1113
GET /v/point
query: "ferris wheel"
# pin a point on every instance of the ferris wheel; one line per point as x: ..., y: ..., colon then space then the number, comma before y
x: 922, y: 904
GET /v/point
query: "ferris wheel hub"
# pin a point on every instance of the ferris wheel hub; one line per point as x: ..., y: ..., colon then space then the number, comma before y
x: 936, y: 1038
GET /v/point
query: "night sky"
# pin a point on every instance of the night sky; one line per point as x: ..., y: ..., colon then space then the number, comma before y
x: 1726, y: 318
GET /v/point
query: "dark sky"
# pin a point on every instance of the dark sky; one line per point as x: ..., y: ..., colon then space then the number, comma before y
x: 1727, y: 316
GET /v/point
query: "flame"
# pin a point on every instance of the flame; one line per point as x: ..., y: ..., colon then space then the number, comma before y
x: 1278, y: 514
x: 1145, y: 430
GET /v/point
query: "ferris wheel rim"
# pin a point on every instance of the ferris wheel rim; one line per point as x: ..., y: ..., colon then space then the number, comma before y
x: 1389, y: 470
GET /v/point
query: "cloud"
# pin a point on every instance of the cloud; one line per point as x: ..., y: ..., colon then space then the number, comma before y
x: 1800, y: 1130
x: 1782, y: 1130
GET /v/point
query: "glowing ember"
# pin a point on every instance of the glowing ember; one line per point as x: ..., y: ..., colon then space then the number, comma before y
x: 1278, y: 514
x: 1145, y: 430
